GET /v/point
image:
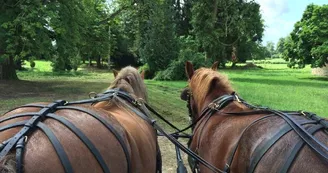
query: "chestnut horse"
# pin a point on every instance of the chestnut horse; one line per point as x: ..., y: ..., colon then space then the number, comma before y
x: 107, y: 136
x: 237, y: 137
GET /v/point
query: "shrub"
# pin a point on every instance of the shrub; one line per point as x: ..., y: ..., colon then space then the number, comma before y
x: 176, y: 70
x: 32, y: 64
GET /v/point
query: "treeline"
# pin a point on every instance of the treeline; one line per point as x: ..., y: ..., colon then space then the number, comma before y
x: 62, y: 31
x: 159, y: 35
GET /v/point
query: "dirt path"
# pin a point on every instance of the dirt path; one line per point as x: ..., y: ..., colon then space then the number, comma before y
x: 169, y: 156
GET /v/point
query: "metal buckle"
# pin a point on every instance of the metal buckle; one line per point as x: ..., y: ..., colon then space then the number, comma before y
x: 92, y: 95
x: 302, y: 112
x: 237, y: 98
x: 213, y: 106
x: 190, y: 94
x: 139, y: 102
x: 227, y: 167
x: 25, y: 139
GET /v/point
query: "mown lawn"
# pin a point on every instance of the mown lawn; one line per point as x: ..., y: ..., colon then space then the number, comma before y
x: 275, y: 86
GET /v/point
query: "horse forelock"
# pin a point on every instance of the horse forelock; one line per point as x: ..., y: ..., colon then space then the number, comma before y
x: 202, y: 81
x: 129, y: 80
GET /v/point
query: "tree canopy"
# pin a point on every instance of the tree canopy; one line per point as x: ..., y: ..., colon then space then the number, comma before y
x: 60, y: 31
x: 156, y: 33
x: 308, y: 42
x: 225, y: 25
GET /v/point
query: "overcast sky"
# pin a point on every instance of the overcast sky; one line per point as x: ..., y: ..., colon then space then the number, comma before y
x: 281, y: 15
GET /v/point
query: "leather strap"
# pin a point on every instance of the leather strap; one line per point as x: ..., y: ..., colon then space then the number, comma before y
x: 9, y: 126
x: 58, y: 147
x: 313, y: 143
x: 18, y: 115
x: 293, y: 153
x: 29, y: 125
x: 108, y: 126
x: 231, y: 157
x: 83, y: 138
x: 264, y: 146
x: 19, y: 154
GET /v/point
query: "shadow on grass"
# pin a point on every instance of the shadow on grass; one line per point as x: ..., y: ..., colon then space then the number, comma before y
x: 280, y: 82
x: 317, y: 78
x: 59, y: 74
x: 65, y: 89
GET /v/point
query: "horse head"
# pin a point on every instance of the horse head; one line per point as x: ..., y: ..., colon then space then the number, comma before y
x: 204, y: 85
x: 130, y: 81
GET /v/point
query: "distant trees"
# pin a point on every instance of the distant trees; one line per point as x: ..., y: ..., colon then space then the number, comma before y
x: 308, y: 42
x: 271, y: 48
x: 153, y: 32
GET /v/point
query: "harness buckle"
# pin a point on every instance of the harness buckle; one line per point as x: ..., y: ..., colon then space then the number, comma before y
x: 138, y: 102
x: 302, y: 112
x: 237, y: 98
x: 213, y: 106
x: 92, y: 95
x: 227, y: 168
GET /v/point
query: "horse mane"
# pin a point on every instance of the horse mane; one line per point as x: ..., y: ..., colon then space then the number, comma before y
x: 203, y: 80
x: 130, y: 81
x: 8, y: 164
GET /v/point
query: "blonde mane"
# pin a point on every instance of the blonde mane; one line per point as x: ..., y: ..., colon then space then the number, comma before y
x: 130, y: 81
x: 202, y: 81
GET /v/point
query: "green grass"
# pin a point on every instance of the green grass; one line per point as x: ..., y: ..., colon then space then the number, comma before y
x: 275, y: 86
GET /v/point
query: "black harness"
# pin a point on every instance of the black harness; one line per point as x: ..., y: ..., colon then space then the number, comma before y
x: 49, y: 111
x: 306, y: 135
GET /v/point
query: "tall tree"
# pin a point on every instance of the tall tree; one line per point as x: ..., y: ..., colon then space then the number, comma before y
x: 24, y: 33
x: 182, y: 16
x: 280, y: 45
x: 158, y: 43
x: 308, y: 41
x: 61, y: 31
x: 271, y: 48
x: 222, y: 25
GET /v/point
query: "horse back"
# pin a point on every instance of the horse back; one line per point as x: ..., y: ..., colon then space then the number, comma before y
x: 141, y: 136
x: 40, y: 154
x: 268, y: 145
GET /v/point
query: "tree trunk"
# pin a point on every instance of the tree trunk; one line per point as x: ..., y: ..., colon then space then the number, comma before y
x: 90, y: 62
x: 98, y: 61
x: 233, y: 64
x: 19, y: 65
x: 8, y: 70
x: 109, y: 63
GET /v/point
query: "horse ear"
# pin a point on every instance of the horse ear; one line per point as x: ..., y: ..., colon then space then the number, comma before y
x: 142, y: 74
x: 115, y: 72
x: 215, y: 66
x: 189, y: 69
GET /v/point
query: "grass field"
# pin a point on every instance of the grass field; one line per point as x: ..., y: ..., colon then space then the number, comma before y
x: 275, y: 86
